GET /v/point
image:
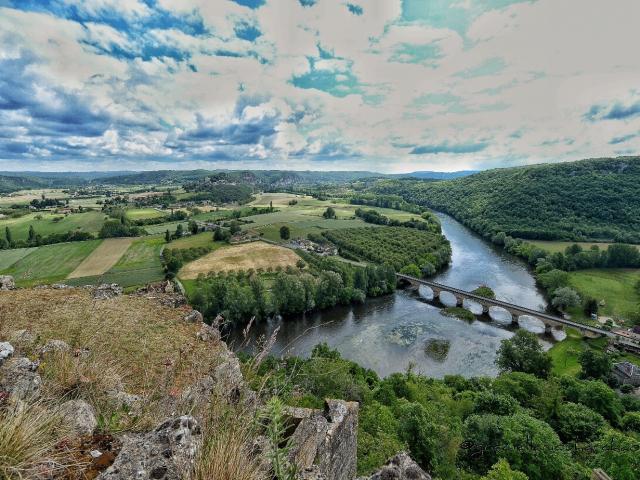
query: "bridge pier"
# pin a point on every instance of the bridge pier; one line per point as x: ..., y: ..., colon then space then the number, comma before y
x: 548, y: 329
x: 514, y: 318
x: 459, y: 301
x: 485, y: 309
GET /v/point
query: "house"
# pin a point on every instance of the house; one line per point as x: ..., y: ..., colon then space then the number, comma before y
x: 626, y: 373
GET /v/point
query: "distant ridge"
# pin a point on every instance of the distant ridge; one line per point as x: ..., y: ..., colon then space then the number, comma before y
x: 440, y: 175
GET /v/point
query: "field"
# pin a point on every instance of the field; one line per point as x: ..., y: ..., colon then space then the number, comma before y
x: 9, y: 257
x: 163, y: 227
x: 240, y: 257
x: 140, y: 264
x: 50, y: 263
x: 87, y: 222
x: 553, y: 246
x: 25, y: 196
x: 204, y: 239
x: 142, y: 213
x: 614, y: 286
x: 102, y: 258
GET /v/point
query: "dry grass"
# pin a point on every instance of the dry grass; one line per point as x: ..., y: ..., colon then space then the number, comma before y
x: 240, y: 257
x: 227, y: 452
x: 29, y: 433
x: 102, y: 258
x: 146, y: 344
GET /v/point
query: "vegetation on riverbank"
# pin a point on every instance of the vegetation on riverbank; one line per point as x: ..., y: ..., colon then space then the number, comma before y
x: 541, y: 424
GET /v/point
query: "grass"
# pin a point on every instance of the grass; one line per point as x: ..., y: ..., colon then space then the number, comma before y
x: 9, y: 257
x: 459, y: 312
x: 553, y: 246
x: 615, y: 286
x: 204, y: 239
x: 102, y: 258
x: 240, y: 257
x: 163, y: 227
x: 142, y: 213
x: 142, y: 253
x: 87, y: 222
x: 50, y: 263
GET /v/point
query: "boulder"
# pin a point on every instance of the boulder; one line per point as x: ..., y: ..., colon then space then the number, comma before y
x: 194, y: 316
x: 208, y: 333
x: 324, y: 442
x: 7, y: 282
x: 6, y: 350
x: 400, y: 467
x: 22, y: 337
x: 80, y: 416
x: 166, y: 453
x: 107, y: 290
x: 54, y: 346
x: 19, y: 378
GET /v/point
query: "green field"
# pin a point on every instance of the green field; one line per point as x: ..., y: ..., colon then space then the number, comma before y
x: 142, y: 213
x: 9, y: 257
x: 615, y: 286
x: 204, y: 239
x: 553, y: 246
x: 53, y: 223
x: 163, y: 227
x: 139, y: 265
x: 50, y: 263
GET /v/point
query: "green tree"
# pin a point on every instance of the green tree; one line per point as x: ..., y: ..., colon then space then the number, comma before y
x: 502, y: 471
x: 8, y: 236
x: 234, y: 227
x: 32, y: 235
x: 417, y: 429
x: 631, y: 422
x: 553, y: 279
x: 495, y: 403
x: 565, y: 297
x: 179, y: 231
x: 595, y: 365
x: 167, y: 236
x: 616, y: 454
x: 193, y: 227
x: 285, y: 232
x: 578, y: 423
x: 523, y: 353
x: 412, y: 270
x: 329, y: 213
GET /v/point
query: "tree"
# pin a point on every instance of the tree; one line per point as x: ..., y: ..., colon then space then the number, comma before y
x: 419, y: 432
x: 526, y: 443
x: 193, y: 227
x: 553, y: 279
x: 595, y: 365
x: 565, y: 297
x: 412, y: 270
x: 32, y: 234
x: 631, y: 422
x: 616, y: 454
x: 428, y: 269
x: 8, y: 236
x: 502, y: 471
x: 523, y: 353
x: 285, y: 232
x: 167, y: 236
x: 591, y: 306
x: 234, y: 227
x: 179, y: 231
x: 329, y: 213
x: 578, y: 423
x: 495, y: 403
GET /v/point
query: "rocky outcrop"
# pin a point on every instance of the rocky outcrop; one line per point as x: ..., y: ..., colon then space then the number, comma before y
x: 324, y: 442
x: 194, y: 316
x: 107, y: 290
x: 79, y: 416
x: 18, y: 377
x: 166, y: 453
x: 7, y: 282
x: 22, y: 338
x: 164, y: 293
x: 54, y: 346
x: 6, y: 350
x: 208, y: 333
x: 400, y: 467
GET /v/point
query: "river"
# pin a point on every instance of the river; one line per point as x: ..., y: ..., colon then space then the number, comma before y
x: 392, y: 333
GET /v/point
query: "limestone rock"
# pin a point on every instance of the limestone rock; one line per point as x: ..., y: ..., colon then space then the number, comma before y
x: 80, y: 416
x: 132, y: 403
x: 194, y: 316
x: 324, y: 442
x: 107, y: 290
x: 166, y: 453
x: 54, y: 346
x: 6, y: 350
x: 19, y: 378
x: 208, y: 333
x: 22, y: 337
x: 400, y: 467
x: 7, y: 282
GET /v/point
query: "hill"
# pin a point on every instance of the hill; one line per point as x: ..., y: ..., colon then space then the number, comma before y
x: 441, y: 175
x: 10, y: 184
x: 596, y: 199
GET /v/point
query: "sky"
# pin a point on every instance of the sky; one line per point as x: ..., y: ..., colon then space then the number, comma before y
x: 379, y: 85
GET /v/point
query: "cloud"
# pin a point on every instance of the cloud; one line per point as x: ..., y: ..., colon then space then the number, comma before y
x: 617, y: 111
x: 623, y: 139
x: 445, y: 147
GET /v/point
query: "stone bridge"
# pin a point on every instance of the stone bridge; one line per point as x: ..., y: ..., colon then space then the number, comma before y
x: 550, y: 321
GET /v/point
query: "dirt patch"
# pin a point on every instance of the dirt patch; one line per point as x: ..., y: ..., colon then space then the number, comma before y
x: 241, y: 257
x: 102, y: 258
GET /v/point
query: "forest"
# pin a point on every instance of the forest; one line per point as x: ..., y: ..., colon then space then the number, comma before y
x: 585, y: 200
